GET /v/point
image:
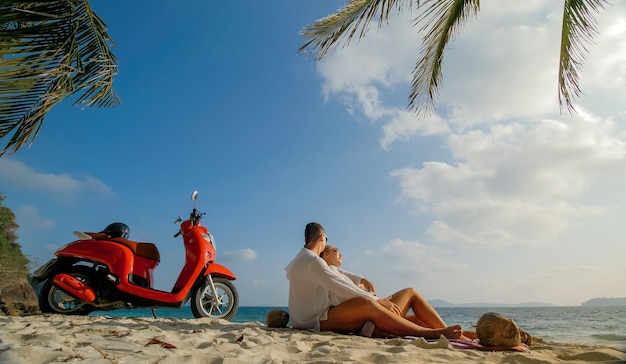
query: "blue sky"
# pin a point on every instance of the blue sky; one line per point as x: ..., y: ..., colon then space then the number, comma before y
x: 496, y: 198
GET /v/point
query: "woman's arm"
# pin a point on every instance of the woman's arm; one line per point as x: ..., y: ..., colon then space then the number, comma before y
x: 367, y: 285
x: 360, y: 281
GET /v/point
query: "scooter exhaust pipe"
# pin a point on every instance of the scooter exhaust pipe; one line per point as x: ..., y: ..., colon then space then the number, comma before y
x: 74, y: 287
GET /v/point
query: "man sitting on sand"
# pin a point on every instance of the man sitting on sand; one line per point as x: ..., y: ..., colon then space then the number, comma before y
x: 311, y: 280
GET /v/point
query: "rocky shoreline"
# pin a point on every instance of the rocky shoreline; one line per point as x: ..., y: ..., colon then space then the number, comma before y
x: 17, y: 299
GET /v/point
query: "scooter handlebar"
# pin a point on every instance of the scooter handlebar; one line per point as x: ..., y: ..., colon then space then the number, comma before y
x: 195, y: 217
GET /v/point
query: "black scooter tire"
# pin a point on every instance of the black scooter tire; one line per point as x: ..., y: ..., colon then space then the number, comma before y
x: 203, y: 303
x: 48, y: 291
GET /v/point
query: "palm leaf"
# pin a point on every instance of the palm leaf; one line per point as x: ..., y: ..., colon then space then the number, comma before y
x: 579, y: 27
x: 50, y: 50
x: 327, y: 32
x: 441, y: 21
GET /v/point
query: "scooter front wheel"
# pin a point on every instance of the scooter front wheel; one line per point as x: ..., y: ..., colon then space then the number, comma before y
x: 222, y: 303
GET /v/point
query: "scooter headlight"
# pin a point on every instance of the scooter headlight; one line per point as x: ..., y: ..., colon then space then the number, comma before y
x: 209, y: 237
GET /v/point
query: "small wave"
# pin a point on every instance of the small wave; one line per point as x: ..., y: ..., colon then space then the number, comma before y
x: 609, y: 337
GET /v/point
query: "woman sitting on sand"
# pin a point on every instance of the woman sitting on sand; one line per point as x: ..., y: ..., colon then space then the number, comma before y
x: 423, y: 313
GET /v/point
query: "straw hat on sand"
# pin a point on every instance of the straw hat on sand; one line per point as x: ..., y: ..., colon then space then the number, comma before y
x: 494, y: 329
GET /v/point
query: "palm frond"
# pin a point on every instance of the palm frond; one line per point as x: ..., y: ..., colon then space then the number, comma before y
x: 49, y: 50
x: 441, y: 20
x: 327, y: 32
x: 579, y: 28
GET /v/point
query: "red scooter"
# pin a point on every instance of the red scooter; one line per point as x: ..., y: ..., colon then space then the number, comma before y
x: 106, y: 271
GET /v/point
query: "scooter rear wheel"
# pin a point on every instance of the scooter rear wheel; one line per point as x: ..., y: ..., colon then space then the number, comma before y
x: 54, y: 300
x: 204, y: 303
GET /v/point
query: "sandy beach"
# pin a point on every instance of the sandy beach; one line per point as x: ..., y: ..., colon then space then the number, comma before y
x: 54, y: 338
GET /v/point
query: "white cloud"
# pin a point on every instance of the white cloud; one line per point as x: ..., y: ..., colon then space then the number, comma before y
x: 28, y: 218
x: 382, y: 61
x: 242, y: 255
x: 517, y: 183
x: 503, y: 64
x: 384, y: 57
x: 414, y: 257
x: 604, y: 71
x: 405, y: 124
x: 21, y: 176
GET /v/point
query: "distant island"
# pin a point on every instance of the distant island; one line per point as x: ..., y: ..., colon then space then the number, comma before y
x: 606, y: 301
x: 601, y: 301
x: 441, y: 304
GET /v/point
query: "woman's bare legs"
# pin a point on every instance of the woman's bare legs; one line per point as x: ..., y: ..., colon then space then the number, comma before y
x: 351, y: 315
x: 423, y: 313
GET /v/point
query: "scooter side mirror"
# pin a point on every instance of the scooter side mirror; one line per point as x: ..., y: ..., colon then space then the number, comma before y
x: 194, y: 196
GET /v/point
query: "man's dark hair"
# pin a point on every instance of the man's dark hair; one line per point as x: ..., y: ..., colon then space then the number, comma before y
x: 312, y: 231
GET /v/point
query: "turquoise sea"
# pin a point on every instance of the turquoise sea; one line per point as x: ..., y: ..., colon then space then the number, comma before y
x: 576, y: 324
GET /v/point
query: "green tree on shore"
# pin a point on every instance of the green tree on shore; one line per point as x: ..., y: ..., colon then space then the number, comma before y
x: 441, y: 19
x: 50, y: 50
x: 13, y: 263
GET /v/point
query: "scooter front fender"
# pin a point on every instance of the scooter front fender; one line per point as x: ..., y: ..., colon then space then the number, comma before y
x: 218, y: 270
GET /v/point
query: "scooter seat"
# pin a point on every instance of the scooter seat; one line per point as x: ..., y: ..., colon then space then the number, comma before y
x: 146, y: 250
